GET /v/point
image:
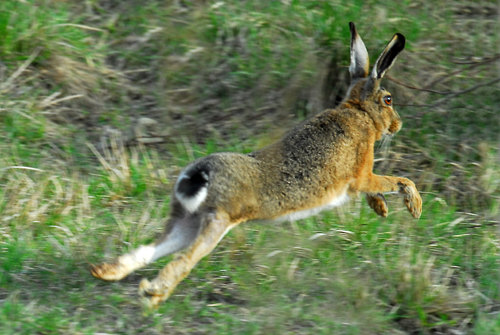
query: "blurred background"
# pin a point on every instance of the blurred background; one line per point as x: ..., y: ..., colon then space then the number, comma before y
x: 102, y: 102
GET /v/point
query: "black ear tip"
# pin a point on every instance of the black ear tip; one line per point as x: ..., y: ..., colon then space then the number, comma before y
x: 401, y: 40
x: 352, y: 27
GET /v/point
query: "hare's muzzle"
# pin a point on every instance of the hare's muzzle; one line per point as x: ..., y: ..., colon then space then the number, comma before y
x: 396, y: 124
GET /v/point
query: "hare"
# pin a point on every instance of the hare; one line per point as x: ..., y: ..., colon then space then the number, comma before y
x: 320, y: 164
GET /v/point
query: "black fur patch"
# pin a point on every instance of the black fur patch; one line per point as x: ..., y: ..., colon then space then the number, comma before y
x: 195, y: 179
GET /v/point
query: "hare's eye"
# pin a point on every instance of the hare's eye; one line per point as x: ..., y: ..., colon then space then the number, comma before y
x: 388, y: 100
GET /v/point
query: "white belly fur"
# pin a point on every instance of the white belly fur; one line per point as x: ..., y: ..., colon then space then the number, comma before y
x: 337, y: 201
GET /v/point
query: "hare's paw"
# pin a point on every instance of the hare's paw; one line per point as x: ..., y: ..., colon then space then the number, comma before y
x: 108, y: 272
x: 152, y: 294
x: 411, y: 198
x: 378, y: 204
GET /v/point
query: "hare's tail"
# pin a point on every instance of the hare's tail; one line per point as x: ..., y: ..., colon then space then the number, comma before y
x: 191, y: 187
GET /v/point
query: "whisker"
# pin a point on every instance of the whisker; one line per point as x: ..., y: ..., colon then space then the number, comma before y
x: 385, y: 143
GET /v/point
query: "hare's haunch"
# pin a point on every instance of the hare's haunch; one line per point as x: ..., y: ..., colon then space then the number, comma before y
x: 318, y: 165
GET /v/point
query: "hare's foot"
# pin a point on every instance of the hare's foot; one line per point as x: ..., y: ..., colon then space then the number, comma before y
x: 125, y: 264
x: 411, y: 198
x: 153, y: 293
x: 109, y: 272
x: 378, y: 203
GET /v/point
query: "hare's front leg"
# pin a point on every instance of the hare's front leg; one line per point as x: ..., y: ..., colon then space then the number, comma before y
x: 374, y: 185
x: 378, y: 203
x: 212, y: 231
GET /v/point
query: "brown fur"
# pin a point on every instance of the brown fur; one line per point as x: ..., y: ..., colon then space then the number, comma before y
x: 321, y: 160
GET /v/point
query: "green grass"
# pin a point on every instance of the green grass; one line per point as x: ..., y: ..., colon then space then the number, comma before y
x: 64, y: 206
x: 28, y: 25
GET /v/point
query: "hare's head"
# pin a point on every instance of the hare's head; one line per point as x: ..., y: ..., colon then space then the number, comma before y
x: 365, y: 90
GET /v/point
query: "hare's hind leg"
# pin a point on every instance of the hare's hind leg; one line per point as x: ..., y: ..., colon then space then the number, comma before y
x: 213, y: 229
x: 179, y: 233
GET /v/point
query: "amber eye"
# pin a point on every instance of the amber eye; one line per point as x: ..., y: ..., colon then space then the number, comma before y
x: 388, y: 100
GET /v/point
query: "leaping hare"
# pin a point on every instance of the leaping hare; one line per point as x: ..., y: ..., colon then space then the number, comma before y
x: 318, y: 165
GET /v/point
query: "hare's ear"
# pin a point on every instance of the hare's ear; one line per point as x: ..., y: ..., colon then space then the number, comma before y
x: 359, y: 56
x: 388, y: 56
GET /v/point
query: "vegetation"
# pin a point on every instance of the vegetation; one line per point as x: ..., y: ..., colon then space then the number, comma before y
x: 102, y: 102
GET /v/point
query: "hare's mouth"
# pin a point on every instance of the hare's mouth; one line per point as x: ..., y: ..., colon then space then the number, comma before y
x: 394, y: 127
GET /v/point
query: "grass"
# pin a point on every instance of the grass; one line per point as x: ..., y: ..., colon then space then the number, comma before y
x: 357, y: 275
x: 237, y: 73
